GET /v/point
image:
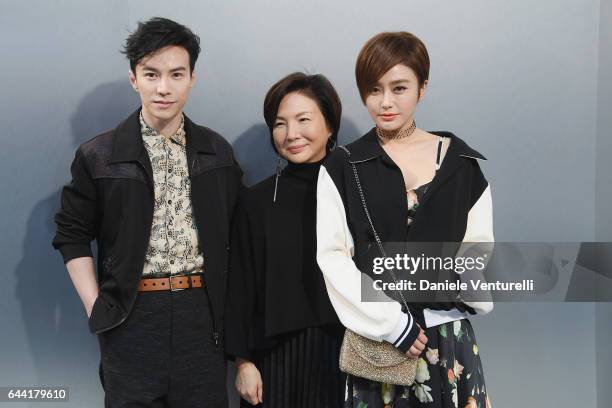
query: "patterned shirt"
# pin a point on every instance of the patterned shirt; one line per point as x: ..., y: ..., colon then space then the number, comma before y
x: 173, y: 247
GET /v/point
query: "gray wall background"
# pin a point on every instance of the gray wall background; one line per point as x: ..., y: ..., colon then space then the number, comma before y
x: 529, y: 84
x: 603, y: 215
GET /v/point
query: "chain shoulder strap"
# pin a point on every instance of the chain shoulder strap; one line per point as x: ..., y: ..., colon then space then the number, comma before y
x: 367, y: 214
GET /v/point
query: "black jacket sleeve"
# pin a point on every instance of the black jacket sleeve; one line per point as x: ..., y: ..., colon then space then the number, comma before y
x: 78, y: 218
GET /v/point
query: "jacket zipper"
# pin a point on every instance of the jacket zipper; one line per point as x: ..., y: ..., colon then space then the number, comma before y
x: 191, y: 169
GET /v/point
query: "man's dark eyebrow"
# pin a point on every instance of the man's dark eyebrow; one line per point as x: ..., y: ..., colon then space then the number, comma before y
x: 146, y: 67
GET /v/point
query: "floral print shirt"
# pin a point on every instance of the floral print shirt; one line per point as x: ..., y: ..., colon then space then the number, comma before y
x: 173, y: 246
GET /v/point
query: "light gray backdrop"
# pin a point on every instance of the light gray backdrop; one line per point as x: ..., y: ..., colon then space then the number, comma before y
x: 527, y: 83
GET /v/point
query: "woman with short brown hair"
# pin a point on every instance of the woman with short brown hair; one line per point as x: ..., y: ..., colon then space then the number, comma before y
x: 417, y: 186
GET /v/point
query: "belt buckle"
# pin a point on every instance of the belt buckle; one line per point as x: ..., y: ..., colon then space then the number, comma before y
x: 172, y: 289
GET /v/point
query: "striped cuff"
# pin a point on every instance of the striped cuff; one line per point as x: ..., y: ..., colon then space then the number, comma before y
x: 405, y: 333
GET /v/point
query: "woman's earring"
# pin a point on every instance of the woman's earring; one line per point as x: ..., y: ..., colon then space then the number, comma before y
x: 331, y: 143
x: 279, y: 167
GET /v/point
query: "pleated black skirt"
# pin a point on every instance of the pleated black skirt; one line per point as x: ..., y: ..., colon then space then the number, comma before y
x: 302, y: 371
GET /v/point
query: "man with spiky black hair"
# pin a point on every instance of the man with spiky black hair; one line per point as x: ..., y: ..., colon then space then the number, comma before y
x: 157, y: 194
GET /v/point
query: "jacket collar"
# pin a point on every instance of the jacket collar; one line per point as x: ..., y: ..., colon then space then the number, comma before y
x: 368, y: 148
x: 128, y: 145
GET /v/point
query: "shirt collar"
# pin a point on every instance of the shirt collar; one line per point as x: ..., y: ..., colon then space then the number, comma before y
x: 178, y: 137
x: 129, y: 145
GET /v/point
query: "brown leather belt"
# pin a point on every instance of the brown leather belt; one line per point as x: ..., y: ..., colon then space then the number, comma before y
x: 172, y: 283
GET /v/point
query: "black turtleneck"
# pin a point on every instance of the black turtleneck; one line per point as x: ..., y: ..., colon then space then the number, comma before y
x: 275, y: 285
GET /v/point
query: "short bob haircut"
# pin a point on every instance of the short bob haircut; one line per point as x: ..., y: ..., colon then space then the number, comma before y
x: 157, y: 33
x: 384, y: 51
x: 318, y: 88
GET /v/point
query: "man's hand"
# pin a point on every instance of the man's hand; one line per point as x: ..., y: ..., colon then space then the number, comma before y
x: 83, y: 277
x: 248, y: 382
x: 88, y: 303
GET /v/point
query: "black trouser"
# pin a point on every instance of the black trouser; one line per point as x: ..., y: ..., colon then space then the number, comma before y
x: 163, y: 354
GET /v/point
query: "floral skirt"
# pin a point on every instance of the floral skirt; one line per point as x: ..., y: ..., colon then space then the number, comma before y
x: 449, y: 375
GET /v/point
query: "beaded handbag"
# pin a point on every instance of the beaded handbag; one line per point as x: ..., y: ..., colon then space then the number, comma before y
x: 371, y: 359
x: 376, y: 361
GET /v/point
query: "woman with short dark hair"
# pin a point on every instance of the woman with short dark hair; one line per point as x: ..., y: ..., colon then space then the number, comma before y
x: 399, y: 183
x: 280, y: 326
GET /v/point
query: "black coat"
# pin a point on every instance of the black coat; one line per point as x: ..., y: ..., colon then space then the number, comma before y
x: 110, y: 199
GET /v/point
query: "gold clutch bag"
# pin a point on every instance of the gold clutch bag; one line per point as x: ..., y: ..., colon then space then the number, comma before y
x: 377, y: 361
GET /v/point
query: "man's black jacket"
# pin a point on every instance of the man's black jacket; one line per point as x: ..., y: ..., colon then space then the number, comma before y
x: 110, y: 199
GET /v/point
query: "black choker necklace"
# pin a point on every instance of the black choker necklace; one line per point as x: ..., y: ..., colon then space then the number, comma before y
x: 396, y: 134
